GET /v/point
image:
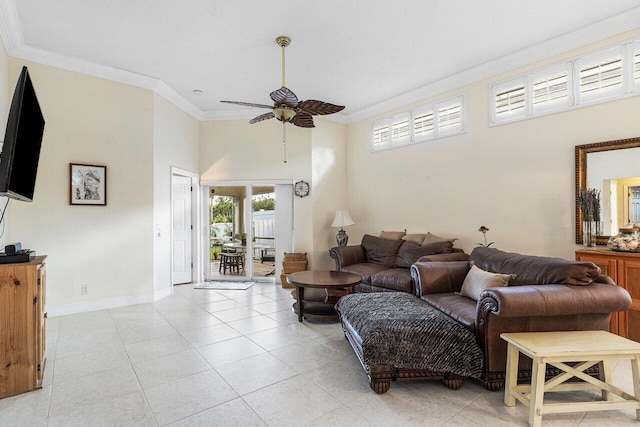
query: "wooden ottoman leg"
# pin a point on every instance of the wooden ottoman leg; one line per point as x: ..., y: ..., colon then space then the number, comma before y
x: 380, y: 378
x: 635, y: 373
x: 453, y: 381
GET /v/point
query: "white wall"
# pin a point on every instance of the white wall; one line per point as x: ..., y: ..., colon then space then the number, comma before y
x: 110, y: 248
x: 175, y: 144
x: 330, y: 187
x: 517, y: 179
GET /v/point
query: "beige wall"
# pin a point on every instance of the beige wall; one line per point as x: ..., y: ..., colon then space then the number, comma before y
x: 92, y: 121
x: 517, y: 179
x: 5, y: 101
x: 175, y: 144
x: 236, y: 150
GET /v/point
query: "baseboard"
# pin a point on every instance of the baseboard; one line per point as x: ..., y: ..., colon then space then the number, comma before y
x: 106, y: 303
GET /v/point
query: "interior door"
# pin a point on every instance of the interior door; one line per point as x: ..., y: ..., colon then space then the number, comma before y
x: 182, y: 230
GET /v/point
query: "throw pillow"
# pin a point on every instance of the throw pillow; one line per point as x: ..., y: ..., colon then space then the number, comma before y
x: 411, y: 255
x: 432, y: 238
x: 404, y: 248
x: 478, y: 280
x: 415, y: 238
x: 380, y: 251
x: 392, y: 235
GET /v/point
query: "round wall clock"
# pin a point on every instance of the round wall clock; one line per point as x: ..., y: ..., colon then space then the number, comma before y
x: 301, y: 188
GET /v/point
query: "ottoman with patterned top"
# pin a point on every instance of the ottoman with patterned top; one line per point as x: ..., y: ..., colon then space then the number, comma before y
x: 399, y: 337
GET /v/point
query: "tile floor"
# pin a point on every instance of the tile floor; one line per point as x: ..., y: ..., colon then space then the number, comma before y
x: 239, y: 358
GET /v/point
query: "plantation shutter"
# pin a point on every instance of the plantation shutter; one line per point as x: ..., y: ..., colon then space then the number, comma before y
x: 601, y: 77
x: 510, y: 100
x: 550, y: 89
x: 400, y: 129
x: 423, y: 124
x: 381, y: 136
x: 449, y: 118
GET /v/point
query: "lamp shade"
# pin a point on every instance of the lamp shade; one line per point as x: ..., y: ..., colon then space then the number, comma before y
x: 342, y: 219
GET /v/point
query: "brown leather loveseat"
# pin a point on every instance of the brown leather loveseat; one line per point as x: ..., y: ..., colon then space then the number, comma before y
x: 383, y: 261
x: 546, y: 294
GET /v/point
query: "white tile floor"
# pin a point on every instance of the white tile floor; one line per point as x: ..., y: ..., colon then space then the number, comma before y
x: 239, y: 358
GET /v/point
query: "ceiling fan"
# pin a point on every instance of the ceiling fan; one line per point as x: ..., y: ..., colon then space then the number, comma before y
x: 287, y: 108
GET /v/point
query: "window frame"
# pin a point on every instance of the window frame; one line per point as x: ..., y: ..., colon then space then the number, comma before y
x: 629, y: 86
x: 435, y: 133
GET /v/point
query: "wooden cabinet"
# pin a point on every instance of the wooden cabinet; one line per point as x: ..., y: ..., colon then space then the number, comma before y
x: 22, y: 326
x: 624, y: 269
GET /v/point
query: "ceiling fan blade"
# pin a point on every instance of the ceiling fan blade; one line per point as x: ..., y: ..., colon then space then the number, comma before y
x: 262, y: 117
x: 303, y: 120
x: 284, y: 96
x: 312, y: 106
x: 249, y: 104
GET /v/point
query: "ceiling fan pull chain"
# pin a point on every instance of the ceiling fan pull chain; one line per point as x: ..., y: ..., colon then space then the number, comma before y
x: 284, y: 141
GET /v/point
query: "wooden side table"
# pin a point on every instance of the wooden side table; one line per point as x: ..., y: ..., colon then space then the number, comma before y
x: 588, y: 348
x: 320, y: 279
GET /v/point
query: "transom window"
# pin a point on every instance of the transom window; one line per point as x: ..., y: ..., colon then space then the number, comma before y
x: 601, y: 76
x: 428, y: 122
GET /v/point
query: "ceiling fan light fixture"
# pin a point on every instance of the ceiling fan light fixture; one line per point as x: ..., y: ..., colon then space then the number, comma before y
x: 284, y: 114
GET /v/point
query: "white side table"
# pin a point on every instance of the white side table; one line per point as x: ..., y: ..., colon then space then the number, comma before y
x: 588, y: 348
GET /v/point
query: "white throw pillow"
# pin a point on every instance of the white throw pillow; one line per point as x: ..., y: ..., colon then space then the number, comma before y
x: 478, y: 280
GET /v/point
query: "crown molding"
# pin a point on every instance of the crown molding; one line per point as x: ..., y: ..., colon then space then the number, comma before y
x: 593, y: 33
x: 11, y: 34
x: 10, y: 29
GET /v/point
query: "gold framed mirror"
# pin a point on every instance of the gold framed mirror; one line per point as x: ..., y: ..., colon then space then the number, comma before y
x: 612, y: 168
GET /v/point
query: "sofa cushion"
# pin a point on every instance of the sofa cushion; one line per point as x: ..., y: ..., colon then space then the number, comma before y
x: 364, y: 270
x: 459, y: 308
x: 398, y: 279
x: 478, y: 280
x: 432, y: 238
x: 392, y: 235
x: 532, y: 270
x: 380, y: 251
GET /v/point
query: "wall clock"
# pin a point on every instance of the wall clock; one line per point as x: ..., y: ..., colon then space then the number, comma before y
x: 301, y: 188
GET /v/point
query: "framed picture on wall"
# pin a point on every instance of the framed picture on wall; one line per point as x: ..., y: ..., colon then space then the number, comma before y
x: 88, y: 185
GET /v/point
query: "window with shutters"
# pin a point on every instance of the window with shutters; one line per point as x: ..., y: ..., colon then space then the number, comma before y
x: 635, y: 68
x: 509, y: 100
x: 428, y: 122
x: 551, y: 89
x: 600, y: 76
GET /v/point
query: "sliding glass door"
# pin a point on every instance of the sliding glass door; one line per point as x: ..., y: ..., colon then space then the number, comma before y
x: 250, y: 228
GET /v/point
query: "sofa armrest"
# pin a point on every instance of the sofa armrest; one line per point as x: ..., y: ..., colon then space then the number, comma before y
x: 438, y: 277
x: 450, y: 256
x: 552, y: 300
x: 347, y: 255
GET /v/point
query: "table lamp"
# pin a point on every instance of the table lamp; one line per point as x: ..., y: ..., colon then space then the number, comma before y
x: 341, y: 220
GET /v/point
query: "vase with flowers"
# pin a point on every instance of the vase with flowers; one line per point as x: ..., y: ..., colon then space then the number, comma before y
x: 589, y: 201
x: 484, y: 230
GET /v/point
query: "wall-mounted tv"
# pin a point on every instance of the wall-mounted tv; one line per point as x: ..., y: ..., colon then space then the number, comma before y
x: 22, y: 141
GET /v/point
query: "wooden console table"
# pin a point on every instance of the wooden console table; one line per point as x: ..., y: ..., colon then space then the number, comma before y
x: 624, y: 269
x: 22, y: 326
x: 588, y: 348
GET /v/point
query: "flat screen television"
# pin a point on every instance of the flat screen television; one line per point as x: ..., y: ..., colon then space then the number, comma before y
x: 22, y: 141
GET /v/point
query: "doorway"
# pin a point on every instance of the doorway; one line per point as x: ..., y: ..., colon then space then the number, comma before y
x: 183, y: 220
x: 250, y: 223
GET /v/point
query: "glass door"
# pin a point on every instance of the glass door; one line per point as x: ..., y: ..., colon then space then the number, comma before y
x: 229, y: 251
x: 263, y: 230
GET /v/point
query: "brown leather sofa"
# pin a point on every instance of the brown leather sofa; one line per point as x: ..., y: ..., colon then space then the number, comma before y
x: 547, y: 294
x: 383, y: 263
